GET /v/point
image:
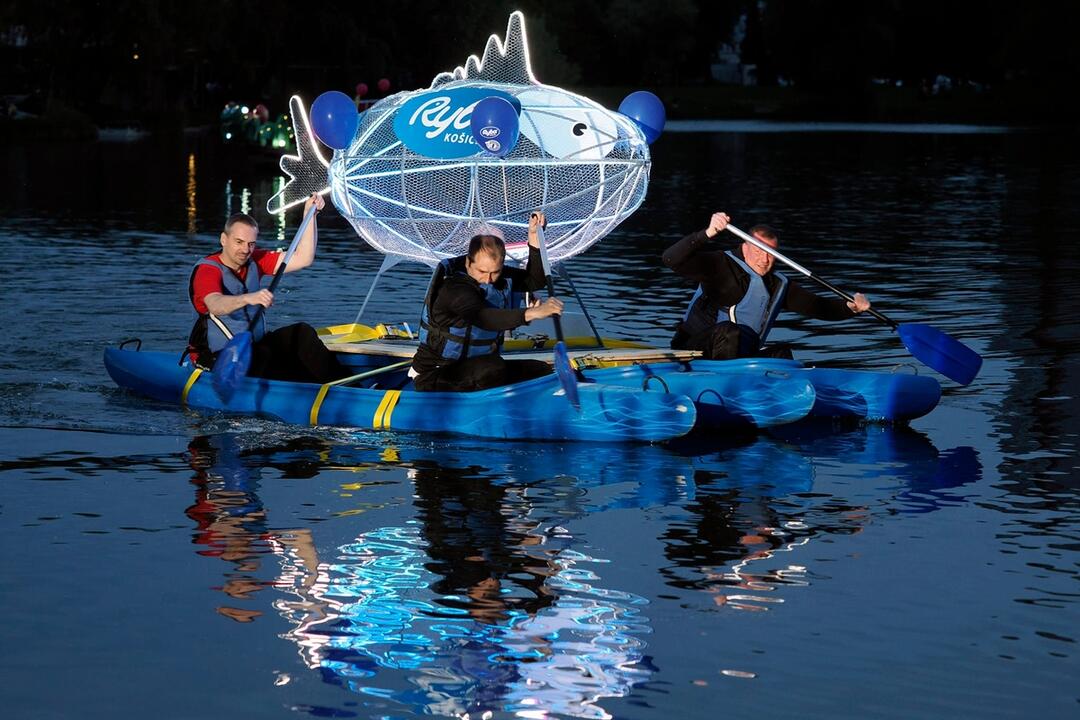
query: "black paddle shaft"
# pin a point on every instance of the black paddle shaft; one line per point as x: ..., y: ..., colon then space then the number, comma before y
x: 804, y: 271
x: 548, y: 272
x: 825, y: 283
x: 555, y: 318
x: 262, y: 308
x: 281, y: 266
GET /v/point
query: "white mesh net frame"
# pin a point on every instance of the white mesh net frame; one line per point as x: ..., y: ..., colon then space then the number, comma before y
x: 585, y: 167
x: 427, y: 209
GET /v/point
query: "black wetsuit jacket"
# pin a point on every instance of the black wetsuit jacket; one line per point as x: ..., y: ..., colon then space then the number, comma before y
x: 460, y: 298
x: 724, y: 283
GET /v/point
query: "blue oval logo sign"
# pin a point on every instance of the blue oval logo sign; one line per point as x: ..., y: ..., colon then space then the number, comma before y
x: 436, y: 124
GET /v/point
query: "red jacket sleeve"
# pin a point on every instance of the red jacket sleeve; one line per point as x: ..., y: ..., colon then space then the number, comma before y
x: 267, y: 260
x: 207, y: 280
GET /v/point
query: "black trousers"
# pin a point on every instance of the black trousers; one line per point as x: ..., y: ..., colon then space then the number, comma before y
x: 480, y: 373
x: 727, y: 341
x: 295, y: 353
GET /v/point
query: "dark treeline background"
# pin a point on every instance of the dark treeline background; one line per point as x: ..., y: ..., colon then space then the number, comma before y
x: 177, y: 61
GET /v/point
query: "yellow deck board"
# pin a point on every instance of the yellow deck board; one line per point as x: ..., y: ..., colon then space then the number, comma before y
x: 589, y: 356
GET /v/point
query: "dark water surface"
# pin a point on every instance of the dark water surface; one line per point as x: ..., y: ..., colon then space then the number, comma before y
x: 172, y: 564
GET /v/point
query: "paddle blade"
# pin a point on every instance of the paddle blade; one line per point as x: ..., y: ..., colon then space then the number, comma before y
x: 232, y: 365
x: 567, y: 378
x: 947, y: 355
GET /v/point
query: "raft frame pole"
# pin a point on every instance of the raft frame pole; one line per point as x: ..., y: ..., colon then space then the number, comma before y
x: 563, y: 273
x: 388, y: 262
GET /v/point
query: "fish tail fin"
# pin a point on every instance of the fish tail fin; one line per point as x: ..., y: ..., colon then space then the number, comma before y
x: 308, y: 170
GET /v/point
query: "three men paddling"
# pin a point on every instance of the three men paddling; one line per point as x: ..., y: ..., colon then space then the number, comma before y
x: 739, y: 296
x: 474, y: 299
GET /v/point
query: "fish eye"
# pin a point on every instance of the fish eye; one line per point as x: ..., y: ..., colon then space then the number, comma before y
x: 580, y: 128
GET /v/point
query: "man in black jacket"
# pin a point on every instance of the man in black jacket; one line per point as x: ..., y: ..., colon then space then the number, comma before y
x: 739, y: 296
x: 472, y: 301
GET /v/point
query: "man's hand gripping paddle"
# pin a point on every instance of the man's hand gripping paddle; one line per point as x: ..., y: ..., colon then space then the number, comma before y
x: 930, y: 346
x: 234, y: 359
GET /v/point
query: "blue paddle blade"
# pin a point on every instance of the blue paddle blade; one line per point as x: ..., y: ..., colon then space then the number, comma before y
x: 947, y: 355
x: 567, y: 378
x: 232, y: 365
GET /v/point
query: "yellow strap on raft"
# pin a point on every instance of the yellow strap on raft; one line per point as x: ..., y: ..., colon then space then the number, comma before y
x: 381, y: 421
x: 187, y: 386
x: 313, y: 417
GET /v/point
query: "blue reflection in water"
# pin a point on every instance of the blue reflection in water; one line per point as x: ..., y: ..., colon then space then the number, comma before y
x: 485, y: 602
x: 374, y: 609
x: 753, y: 512
x: 922, y: 474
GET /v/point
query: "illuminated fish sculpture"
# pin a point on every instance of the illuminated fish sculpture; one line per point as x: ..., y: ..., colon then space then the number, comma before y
x: 415, y: 184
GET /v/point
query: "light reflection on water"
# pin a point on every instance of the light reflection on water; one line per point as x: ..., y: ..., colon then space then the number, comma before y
x: 482, y: 602
x: 486, y: 601
x: 375, y: 611
x: 633, y: 581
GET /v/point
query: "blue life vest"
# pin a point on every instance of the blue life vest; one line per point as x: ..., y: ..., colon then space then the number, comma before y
x: 220, y: 329
x: 463, y: 340
x: 757, y: 310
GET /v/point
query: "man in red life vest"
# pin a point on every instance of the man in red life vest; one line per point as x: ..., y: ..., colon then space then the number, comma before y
x: 225, y: 289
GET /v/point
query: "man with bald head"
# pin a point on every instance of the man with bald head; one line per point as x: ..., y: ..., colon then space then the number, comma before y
x: 739, y: 295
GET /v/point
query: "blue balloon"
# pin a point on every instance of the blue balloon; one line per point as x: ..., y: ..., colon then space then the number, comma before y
x: 495, y: 126
x: 334, y: 119
x: 647, y: 111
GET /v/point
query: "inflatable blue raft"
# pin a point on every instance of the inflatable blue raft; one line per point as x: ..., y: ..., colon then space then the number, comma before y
x: 535, y: 410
